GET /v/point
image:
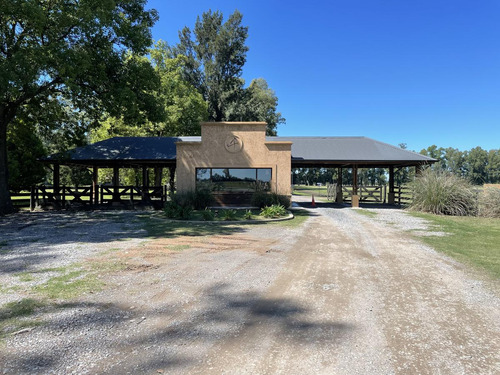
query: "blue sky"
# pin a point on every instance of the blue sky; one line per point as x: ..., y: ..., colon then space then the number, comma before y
x: 417, y: 72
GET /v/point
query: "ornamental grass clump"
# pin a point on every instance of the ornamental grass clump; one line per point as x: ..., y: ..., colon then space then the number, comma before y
x: 273, y: 211
x: 229, y: 215
x: 247, y: 215
x: 207, y: 214
x: 489, y: 202
x: 443, y: 193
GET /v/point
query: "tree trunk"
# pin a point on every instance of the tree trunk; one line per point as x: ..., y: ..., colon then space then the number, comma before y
x: 5, y: 201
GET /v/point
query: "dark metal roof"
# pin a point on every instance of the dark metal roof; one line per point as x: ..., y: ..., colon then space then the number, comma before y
x: 351, y: 150
x: 332, y: 151
x: 123, y: 149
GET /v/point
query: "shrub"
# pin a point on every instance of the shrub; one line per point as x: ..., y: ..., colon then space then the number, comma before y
x: 197, y: 200
x: 273, y: 211
x: 247, y: 215
x: 181, y: 200
x: 489, y: 202
x: 207, y: 214
x: 202, y: 198
x: 262, y: 199
x: 443, y: 193
x: 229, y: 215
x: 173, y: 210
x: 185, y: 213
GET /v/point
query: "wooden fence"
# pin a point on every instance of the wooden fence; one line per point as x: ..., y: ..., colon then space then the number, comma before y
x: 67, y: 196
x: 376, y: 194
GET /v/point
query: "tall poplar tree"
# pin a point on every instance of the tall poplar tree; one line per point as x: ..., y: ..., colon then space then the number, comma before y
x: 216, y: 53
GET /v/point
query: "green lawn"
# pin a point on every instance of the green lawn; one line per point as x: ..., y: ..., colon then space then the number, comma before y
x: 471, y: 240
x: 309, y: 190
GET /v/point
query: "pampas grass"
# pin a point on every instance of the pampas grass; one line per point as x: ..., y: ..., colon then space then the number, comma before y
x: 443, y: 193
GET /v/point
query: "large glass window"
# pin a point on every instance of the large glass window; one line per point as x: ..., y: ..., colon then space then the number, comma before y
x: 234, y: 179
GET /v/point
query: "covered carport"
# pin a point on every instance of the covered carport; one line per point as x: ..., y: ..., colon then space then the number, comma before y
x: 161, y: 152
x: 353, y: 153
x: 143, y: 153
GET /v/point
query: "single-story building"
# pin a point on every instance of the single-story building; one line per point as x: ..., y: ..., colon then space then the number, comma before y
x: 236, y: 158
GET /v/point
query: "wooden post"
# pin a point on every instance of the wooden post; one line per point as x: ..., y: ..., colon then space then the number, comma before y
x: 145, y: 177
x: 63, y: 199
x: 418, y: 169
x: 158, y: 176
x: 91, y: 196
x: 145, y: 183
x: 391, y: 196
x: 355, y: 196
x: 339, y: 198
x: 95, y: 186
x: 32, y: 198
x: 57, y: 178
x: 116, y: 184
x: 172, y: 179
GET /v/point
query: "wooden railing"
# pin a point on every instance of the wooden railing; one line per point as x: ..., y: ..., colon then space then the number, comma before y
x: 65, y: 196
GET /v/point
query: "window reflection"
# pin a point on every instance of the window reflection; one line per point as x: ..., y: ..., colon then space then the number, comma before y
x: 234, y: 179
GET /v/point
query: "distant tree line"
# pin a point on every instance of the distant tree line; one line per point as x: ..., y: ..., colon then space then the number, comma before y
x: 477, y: 165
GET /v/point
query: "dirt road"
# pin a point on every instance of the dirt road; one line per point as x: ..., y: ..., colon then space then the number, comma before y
x: 358, y: 298
x: 343, y: 294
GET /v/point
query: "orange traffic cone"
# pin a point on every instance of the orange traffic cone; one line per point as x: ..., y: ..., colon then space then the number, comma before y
x: 313, y: 203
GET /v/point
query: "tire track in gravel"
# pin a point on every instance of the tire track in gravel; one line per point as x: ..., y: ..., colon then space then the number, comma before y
x: 430, y: 324
x: 374, y: 301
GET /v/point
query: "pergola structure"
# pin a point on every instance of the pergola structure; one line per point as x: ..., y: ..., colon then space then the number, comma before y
x: 306, y: 152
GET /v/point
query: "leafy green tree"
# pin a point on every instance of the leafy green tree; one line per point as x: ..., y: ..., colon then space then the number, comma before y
x: 493, y: 166
x: 436, y: 153
x: 257, y: 103
x: 183, y: 107
x: 371, y: 176
x: 476, y: 160
x: 24, y: 148
x: 455, y: 161
x: 216, y: 53
x: 74, y: 50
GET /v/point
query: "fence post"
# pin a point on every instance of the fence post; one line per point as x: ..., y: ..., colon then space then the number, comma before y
x: 32, y: 198
x: 91, y: 195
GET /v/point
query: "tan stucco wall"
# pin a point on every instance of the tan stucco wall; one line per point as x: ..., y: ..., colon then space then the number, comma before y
x: 255, y: 153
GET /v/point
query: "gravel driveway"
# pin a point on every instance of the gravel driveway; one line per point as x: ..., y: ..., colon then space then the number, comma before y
x: 343, y: 293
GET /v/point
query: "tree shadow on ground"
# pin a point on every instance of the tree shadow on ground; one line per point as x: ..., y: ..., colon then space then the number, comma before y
x: 178, y: 338
x: 233, y: 318
x: 33, y: 240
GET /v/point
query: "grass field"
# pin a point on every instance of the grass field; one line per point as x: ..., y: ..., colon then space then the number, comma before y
x: 471, y: 240
x: 303, y: 190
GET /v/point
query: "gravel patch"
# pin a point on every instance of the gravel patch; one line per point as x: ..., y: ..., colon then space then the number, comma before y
x: 41, y: 243
x: 194, y: 295
x: 344, y: 293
